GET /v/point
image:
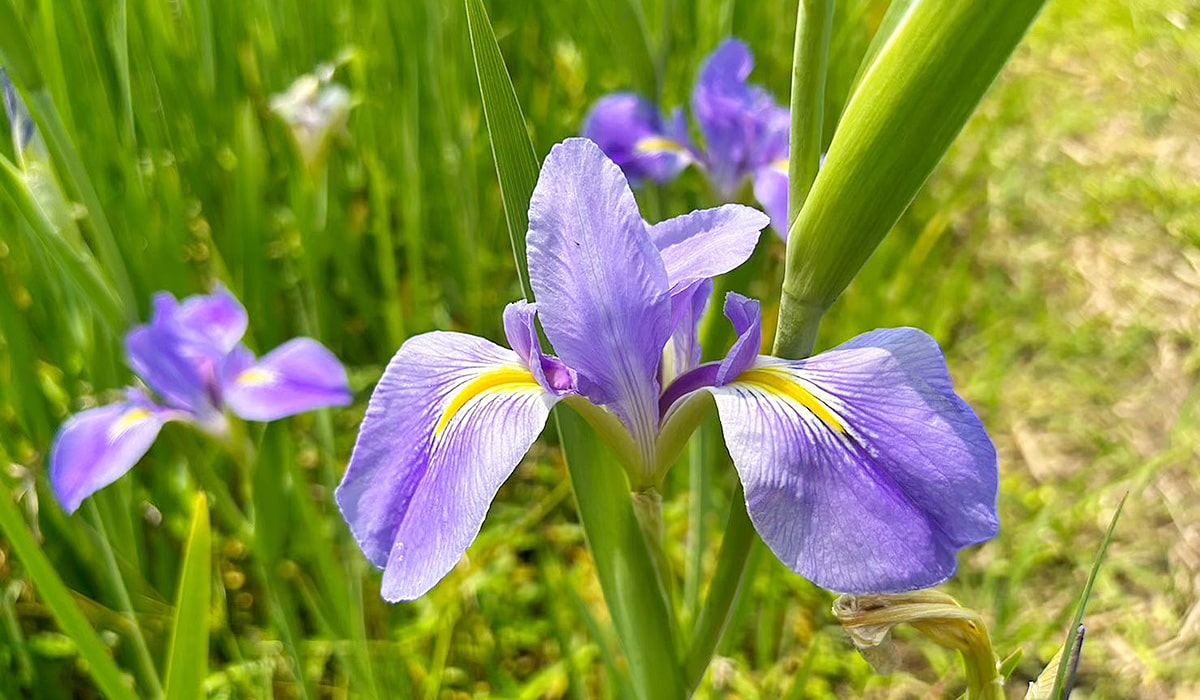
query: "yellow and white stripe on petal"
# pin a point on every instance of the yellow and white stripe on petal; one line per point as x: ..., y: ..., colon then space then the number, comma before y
x: 808, y: 398
x: 502, y: 380
x: 655, y: 145
x: 133, y: 417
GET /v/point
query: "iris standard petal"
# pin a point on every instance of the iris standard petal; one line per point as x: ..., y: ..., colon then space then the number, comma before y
x: 771, y: 191
x: 746, y: 316
x: 449, y: 421
x: 300, y: 375
x: 706, y: 243
x: 684, y: 353
x: 734, y: 116
x: 156, y: 354
x: 96, y: 447
x: 863, y: 471
x: 600, y: 282
x: 632, y: 132
x: 216, y: 320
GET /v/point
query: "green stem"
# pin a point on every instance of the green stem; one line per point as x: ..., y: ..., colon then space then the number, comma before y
x: 810, y: 64
x: 723, y: 593
x: 647, y: 508
x: 147, y: 674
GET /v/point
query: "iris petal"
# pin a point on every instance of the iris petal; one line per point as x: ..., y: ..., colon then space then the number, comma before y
x: 739, y: 121
x: 863, y: 470
x: 447, y: 424
x: 217, y: 320
x: 706, y: 243
x: 96, y: 447
x: 300, y: 375
x: 771, y: 190
x: 600, y: 282
x: 632, y: 132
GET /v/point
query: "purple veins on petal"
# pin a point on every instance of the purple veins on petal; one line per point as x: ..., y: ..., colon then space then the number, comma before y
x: 634, y: 134
x: 96, y: 447
x: 300, y: 375
x: 863, y: 470
x: 447, y: 424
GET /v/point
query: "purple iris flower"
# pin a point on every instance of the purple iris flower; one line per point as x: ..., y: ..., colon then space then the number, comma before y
x: 746, y: 134
x: 191, y: 356
x: 635, y: 135
x: 862, y: 469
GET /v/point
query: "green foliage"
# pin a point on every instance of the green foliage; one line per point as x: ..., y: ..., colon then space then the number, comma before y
x: 187, y: 660
x: 1052, y: 254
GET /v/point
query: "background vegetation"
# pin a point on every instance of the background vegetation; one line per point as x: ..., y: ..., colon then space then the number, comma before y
x: 1055, y: 254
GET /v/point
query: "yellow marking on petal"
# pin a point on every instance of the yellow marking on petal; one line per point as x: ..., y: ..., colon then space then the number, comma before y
x: 509, y: 379
x: 783, y: 385
x: 780, y: 165
x: 129, y: 419
x: 256, y: 376
x: 652, y: 145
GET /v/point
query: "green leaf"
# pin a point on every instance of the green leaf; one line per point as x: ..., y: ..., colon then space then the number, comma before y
x: 187, y: 663
x: 1073, y: 645
x: 911, y: 103
x: 516, y: 162
x: 78, y: 267
x: 623, y: 564
x: 58, y: 600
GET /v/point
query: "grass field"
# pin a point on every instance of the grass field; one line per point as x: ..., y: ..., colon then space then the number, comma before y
x: 1055, y: 254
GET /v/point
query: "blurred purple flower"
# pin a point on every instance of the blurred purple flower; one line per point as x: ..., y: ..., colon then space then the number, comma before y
x: 633, y: 133
x: 191, y: 356
x: 863, y: 471
x: 746, y: 134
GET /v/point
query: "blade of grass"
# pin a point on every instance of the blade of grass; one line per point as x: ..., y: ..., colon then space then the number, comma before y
x: 77, y: 267
x: 187, y: 659
x: 516, y: 162
x: 58, y: 600
x: 1072, y: 646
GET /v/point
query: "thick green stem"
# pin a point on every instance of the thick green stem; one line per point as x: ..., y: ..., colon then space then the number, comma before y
x: 723, y: 593
x: 810, y: 63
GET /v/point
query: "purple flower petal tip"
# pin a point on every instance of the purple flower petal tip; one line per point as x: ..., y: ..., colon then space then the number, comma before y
x: 96, y: 447
x: 299, y: 376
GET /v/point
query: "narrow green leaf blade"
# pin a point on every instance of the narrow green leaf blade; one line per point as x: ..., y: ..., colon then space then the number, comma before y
x: 187, y: 662
x: 627, y: 575
x: 911, y: 103
x: 1071, y: 647
x: 516, y: 162
x: 78, y: 267
x: 58, y: 600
